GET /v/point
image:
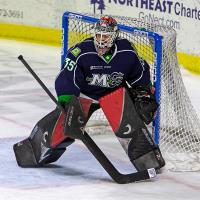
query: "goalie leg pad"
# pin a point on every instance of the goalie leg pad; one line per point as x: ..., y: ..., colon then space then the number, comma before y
x: 52, y: 134
x: 131, y: 130
x: 37, y: 149
x: 24, y: 154
x: 143, y: 153
x: 146, y: 161
x: 27, y: 157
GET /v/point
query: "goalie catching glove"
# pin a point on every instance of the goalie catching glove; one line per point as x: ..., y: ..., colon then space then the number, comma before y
x: 145, y: 102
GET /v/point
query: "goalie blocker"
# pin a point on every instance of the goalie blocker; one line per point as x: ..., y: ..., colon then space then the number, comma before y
x: 128, y: 124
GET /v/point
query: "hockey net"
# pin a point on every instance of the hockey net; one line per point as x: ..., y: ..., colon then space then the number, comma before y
x: 179, y: 126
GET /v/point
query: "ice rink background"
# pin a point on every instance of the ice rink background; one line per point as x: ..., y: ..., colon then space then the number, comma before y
x: 77, y: 175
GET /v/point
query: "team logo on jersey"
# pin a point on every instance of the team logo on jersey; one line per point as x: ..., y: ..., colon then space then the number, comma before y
x: 76, y: 51
x: 106, y: 80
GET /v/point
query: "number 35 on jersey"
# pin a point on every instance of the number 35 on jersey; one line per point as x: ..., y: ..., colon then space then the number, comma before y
x: 69, y: 64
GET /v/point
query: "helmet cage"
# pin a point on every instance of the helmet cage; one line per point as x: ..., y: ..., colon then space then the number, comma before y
x: 106, y: 26
x: 103, y: 43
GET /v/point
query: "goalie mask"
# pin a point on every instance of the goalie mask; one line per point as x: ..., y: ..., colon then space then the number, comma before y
x: 105, y: 34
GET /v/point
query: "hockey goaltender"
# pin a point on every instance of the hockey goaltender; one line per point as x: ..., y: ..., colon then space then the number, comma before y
x: 103, y: 71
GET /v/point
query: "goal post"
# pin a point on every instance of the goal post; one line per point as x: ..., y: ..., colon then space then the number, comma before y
x: 176, y: 126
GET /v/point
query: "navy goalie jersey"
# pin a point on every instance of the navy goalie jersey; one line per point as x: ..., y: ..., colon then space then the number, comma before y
x: 95, y: 76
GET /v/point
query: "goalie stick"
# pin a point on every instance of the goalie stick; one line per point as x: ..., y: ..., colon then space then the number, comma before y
x: 93, y: 148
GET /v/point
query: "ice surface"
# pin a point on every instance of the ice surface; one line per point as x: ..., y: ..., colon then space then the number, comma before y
x: 77, y: 175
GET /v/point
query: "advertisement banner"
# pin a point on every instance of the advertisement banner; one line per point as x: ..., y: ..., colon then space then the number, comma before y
x: 182, y: 15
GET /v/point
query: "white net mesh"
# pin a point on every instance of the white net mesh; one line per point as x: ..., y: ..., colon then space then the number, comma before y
x: 179, y: 125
